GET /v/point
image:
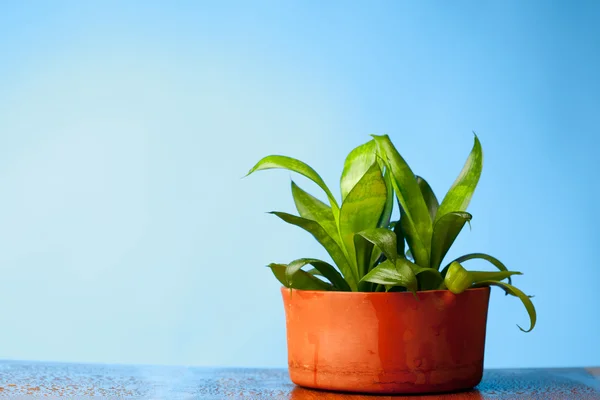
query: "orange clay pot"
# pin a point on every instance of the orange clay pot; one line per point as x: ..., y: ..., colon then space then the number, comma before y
x: 386, y: 342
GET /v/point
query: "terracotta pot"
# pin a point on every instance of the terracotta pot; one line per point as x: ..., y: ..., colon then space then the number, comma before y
x: 386, y: 342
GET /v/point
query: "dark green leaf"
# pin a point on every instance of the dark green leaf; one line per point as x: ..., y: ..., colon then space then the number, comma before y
x: 302, y: 280
x: 310, y: 207
x: 429, y: 196
x: 445, y: 231
x: 336, y: 253
x: 417, y: 227
x: 327, y: 270
x: 509, y: 289
x: 362, y: 207
x: 428, y: 278
x: 384, y: 220
x: 389, y: 274
x: 400, y: 250
x: 283, y: 162
x: 459, y: 195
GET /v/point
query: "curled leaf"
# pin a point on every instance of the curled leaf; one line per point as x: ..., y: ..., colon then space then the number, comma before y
x: 509, y: 289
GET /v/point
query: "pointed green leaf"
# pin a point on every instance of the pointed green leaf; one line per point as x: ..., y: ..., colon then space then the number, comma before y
x: 445, y: 231
x: 387, y: 273
x: 302, y: 280
x: 494, y: 261
x: 429, y: 196
x: 480, y: 276
x: 509, y: 289
x: 310, y: 207
x: 334, y: 250
x: 417, y: 227
x: 362, y: 207
x: 356, y: 165
x: 327, y: 270
x: 294, y: 165
x: 459, y: 195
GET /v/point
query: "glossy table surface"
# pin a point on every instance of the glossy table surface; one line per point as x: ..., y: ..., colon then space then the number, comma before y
x: 36, y: 379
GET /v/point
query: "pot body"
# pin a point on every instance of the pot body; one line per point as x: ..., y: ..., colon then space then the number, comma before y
x: 386, y: 342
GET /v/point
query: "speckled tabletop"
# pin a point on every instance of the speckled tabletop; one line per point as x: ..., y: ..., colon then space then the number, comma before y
x: 36, y: 379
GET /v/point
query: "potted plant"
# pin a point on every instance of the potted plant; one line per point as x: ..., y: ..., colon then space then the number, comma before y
x: 388, y: 316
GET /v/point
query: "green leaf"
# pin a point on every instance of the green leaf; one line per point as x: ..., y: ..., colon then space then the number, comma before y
x: 494, y: 261
x: 302, y: 280
x: 294, y: 165
x: 334, y: 250
x: 362, y: 207
x: 445, y: 231
x: 509, y: 289
x: 389, y: 274
x: 417, y: 227
x: 428, y: 278
x: 384, y: 239
x: 459, y: 195
x: 310, y: 207
x: 416, y: 248
x: 429, y: 196
x: 457, y: 279
x: 384, y: 220
x: 326, y: 269
x: 480, y: 276
x: 356, y: 165
x: 399, y: 240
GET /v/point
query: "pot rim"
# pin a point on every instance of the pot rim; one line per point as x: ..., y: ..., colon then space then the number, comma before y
x: 343, y: 293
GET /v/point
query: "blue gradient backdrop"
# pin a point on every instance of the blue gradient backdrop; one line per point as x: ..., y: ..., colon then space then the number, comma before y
x: 127, y: 235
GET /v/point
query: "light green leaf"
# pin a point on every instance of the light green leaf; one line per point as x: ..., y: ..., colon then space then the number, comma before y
x: 509, y: 289
x: 339, y: 258
x: 327, y: 270
x: 356, y: 165
x: 310, y: 207
x: 294, y: 165
x: 494, y: 261
x: 389, y: 274
x: 459, y: 195
x: 302, y: 280
x: 457, y: 279
x: 480, y: 276
x: 362, y: 207
x: 417, y: 227
x: 445, y: 231
x: 429, y: 196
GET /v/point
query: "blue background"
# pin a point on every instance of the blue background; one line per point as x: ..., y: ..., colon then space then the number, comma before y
x: 127, y: 235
